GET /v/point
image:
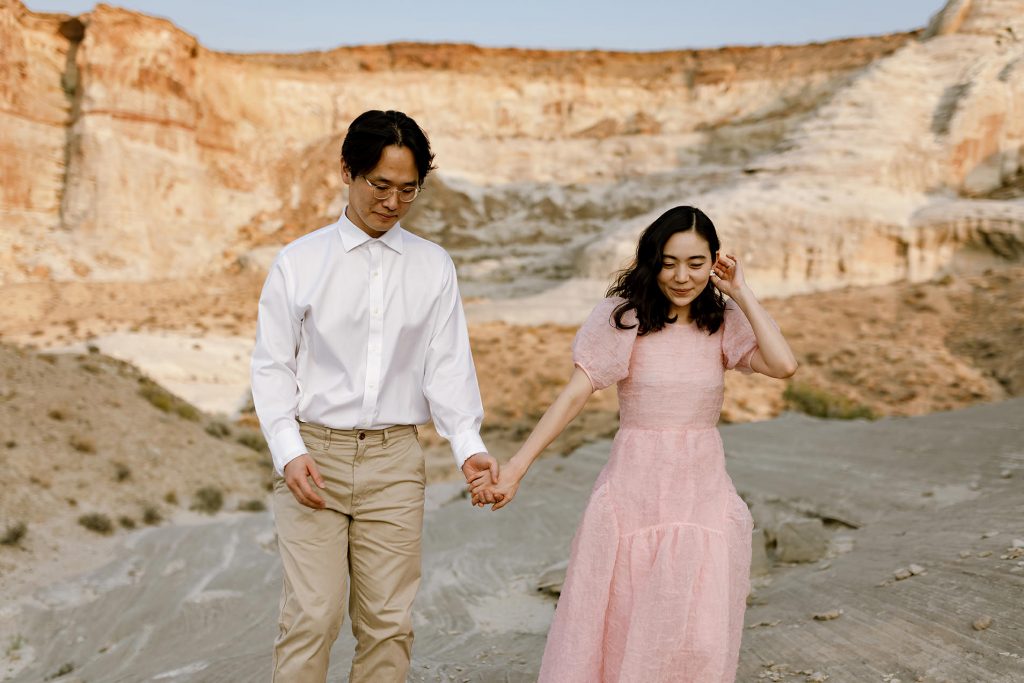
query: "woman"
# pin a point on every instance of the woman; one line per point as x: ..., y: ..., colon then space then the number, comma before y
x: 658, y: 574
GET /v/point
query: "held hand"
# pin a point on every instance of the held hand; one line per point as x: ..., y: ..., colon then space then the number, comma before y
x: 481, y: 465
x: 727, y: 275
x: 297, y: 474
x: 504, y: 491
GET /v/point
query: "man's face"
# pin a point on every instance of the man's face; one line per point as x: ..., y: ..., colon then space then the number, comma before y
x: 395, y: 169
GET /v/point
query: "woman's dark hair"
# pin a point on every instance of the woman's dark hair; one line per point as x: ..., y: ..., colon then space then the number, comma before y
x: 638, y: 284
x: 374, y: 130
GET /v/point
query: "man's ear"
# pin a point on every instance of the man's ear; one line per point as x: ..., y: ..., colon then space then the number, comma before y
x: 346, y: 173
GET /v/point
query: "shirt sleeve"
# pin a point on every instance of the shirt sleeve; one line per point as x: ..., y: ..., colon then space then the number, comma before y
x: 449, y: 381
x: 275, y: 389
x: 738, y: 340
x: 601, y: 349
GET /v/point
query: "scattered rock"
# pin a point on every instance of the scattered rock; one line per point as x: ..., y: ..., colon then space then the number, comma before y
x: 760, y: 565
x: 1006, y: 474
x: 828, y: 616
x: 965, y: 553
x: 982, y: 623
x: 816, y: 677
x: 985, y: 553
x: 916, y: 569
x: 902, y: 573
x: 551, y: 579
x: 1017, y: 543
x: 801, y: 540
x: 990, y: 534
x: 761, y: 624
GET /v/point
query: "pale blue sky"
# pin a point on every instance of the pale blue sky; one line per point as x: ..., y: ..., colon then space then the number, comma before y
x: 300, y: 25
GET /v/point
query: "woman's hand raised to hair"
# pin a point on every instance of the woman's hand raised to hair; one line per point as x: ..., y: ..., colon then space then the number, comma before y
x: 727, y: 275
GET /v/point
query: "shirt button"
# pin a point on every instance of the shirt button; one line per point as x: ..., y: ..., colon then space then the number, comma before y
x: 376, y: 273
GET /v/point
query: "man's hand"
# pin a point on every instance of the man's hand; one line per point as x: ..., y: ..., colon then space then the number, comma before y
x: 481, y: 464
x: 297, y: 474
x: 504, y: 492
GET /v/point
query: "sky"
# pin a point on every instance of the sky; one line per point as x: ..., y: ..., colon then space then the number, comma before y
x: 635, y: 25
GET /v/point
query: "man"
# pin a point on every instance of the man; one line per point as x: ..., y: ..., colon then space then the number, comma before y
x: 361, y: 336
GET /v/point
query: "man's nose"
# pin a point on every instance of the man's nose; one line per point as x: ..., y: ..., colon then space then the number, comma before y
x: 391, y: 203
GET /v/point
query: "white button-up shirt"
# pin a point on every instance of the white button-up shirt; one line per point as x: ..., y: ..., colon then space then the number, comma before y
x: 361, y: 333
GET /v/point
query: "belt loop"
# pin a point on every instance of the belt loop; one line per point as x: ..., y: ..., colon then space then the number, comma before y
x: 327, y: 438
x: 385, y: 442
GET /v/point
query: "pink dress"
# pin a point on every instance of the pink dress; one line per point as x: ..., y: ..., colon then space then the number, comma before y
x: 659, y: 570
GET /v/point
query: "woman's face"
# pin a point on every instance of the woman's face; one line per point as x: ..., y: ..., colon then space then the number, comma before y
x: 685, y: 270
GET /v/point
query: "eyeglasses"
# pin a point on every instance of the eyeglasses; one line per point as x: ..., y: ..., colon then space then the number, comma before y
x: 382, y: 191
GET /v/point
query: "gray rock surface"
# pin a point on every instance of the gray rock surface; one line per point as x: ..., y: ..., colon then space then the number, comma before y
x: 199, y: 603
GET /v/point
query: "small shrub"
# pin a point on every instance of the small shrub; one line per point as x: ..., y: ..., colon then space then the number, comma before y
x: 122, y: 471
x: 151, y: 515
x: 16, y: 642
x: 171, y: 498
x: 208, y: 500
x: 82, y: 444
x: 253, y: 440
x: 126, y: 522
x: 218, y: 429
x: 97, y: 522
x: 11, y: 444
x: 57, y: 414
x: 64, y: 670
x: 253, y: 505
x: 165, y: 401
x: 90, y: 368
x: 15, y: 532
x: 820, y: 403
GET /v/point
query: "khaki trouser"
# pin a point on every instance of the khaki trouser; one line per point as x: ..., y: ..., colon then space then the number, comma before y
x: 369, y: 533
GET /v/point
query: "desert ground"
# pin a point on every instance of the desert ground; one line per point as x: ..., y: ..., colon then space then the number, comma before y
x: 88, y: 434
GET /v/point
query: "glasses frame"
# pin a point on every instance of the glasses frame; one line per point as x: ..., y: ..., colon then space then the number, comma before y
x: 392, y: 190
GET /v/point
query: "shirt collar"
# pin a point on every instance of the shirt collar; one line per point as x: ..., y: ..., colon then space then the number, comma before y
x: 352, y: 236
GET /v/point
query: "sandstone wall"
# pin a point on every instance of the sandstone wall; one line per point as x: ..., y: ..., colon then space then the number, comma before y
x: 130, y: 152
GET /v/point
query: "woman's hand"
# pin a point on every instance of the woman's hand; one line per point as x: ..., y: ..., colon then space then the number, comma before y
x: 504, y: 491
x: 727, y: 275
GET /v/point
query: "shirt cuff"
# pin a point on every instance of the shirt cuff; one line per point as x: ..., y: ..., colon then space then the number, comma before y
x: 465, y: 444
x: 285, y: 446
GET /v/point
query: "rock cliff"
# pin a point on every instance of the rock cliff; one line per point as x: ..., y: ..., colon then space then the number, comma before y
x: 131, y: 152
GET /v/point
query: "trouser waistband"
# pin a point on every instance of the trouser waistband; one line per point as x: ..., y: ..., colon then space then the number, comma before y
x: 382, y: 436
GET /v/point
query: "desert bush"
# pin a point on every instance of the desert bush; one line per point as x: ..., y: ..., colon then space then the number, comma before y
x: 126, y: 522
x: 82, y: 444
x: 820, y: 403
x: 98, y: 522
x: 253, y: 440
x: 165, y: 401
x: 208, y: 500
x: 218, y: 429
x: 171, y: 498
x: 64, y: 670
x: 57, y: 414
x: 253, y: 505
x: 15, y: 532
x: 151, y: 515
x: 122, y: 471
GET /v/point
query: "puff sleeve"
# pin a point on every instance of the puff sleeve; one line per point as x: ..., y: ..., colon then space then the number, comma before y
x: 738, y: 340
x: 600, y: 349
